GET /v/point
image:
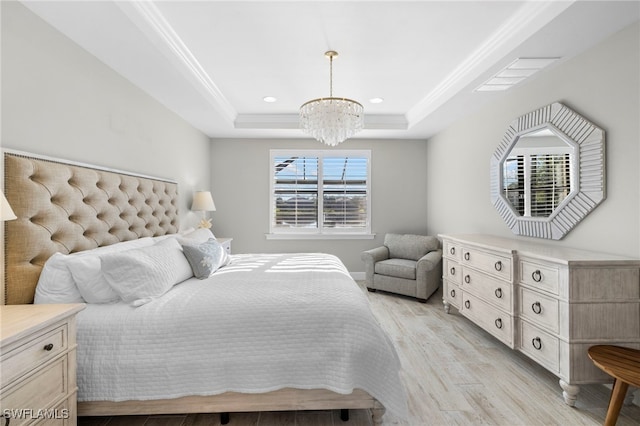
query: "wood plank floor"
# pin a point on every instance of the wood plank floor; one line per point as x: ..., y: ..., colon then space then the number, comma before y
x: 455, y: 374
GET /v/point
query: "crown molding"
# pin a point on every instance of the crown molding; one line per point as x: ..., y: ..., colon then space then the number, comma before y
x: 146, y: 16
x: 291, y: 121
x: 529, y: 19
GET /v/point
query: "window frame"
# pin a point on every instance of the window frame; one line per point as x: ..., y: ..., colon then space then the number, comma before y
x: 319, y: 232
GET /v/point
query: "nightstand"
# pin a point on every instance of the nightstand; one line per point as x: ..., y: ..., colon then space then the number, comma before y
x: 38, y: 357
x: 226, y: 243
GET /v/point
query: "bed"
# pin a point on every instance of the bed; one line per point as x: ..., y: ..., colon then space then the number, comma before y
x: 264, y: 332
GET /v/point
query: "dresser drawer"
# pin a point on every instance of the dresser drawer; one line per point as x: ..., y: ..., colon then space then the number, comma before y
x: 452, y: 271
x: 33, y: 353
x: 491, y: 263
x: 452, y: 293
x: 40, y: 391
x: 541, y: 346
x: 543, y: 277
x: 540, y: 309
x: 452, y: 250
x: 489, y: 318
x: 490, y: 289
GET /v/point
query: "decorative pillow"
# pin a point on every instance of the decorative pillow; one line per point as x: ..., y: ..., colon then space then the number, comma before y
x: 205, y: 258
x: 199, y: 236
x: 56, y: 285
x: 140, y: 275
x: 85, y: 268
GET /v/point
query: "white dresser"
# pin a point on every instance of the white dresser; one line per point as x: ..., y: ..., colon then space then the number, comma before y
x: 38, y: 357
x: 548, y: 302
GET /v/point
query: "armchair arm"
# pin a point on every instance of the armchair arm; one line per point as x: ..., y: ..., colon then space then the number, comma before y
x: 370, y: 257
x: 375, y: 255
x: 429, y: 261
x: 428, y: 273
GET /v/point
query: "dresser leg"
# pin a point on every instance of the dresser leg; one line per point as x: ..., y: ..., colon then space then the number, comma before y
x: 569, y: 393
x: 447, y: 306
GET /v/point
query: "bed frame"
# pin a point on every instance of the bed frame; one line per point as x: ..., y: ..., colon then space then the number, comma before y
x: 67, y: 207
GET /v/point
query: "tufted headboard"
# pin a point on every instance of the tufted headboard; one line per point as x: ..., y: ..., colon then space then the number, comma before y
x: 69, y: 207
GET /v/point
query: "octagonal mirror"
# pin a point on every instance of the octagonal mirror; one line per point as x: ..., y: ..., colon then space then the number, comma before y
x: 548, y: 172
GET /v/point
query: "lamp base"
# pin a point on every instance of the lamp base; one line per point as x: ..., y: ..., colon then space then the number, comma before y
x: 205, y: 223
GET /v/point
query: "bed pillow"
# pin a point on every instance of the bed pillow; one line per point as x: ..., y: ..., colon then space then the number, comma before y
x: 85, y: 268
x: 55, y: 284
x: 138, y: 276
x: 205, y: 258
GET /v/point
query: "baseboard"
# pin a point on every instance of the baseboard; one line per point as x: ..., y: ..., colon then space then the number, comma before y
x: 358, y: 276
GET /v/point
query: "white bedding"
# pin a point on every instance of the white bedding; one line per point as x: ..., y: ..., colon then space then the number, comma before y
x: 264, y: 322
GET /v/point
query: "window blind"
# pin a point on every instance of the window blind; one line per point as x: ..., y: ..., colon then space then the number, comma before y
x: 549, y: 183
x: 320, y: 192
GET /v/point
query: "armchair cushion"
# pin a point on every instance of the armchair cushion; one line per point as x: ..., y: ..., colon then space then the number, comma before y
x: 401, y: 268
x: 408, y: 246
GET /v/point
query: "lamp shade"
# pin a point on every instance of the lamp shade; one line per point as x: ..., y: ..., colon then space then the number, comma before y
x: 202, y: 201
x: 6, y: 213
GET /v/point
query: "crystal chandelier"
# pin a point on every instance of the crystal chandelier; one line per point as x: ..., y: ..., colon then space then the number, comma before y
x: 331, y: 120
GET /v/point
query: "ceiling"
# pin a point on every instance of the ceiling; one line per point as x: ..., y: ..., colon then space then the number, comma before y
x: 213, y: 62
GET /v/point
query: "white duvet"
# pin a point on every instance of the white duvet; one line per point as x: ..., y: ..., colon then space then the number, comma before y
x: 262, y: 323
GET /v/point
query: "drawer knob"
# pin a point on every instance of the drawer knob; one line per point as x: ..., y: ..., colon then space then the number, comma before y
x: 537, y: 275
x: 498, y: 323
x: 498, y: 293
x: 467, y: 304
x: 452, y: 250
x: 467, y: 256
x: 537, y: 343
x: 536, y: 307
x: 48, y: 346
x: 453, y: 271
x: 453, y: 293
x: 498, y: 266
x: 467, y: 279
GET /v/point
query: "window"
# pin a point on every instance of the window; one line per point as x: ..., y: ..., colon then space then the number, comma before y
x: 549, y: 182
x: 320, y: 192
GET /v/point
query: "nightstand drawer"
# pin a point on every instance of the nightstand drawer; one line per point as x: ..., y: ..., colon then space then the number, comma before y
x: 42, y: 390
x: 33, y: 353
x: 59, y: 416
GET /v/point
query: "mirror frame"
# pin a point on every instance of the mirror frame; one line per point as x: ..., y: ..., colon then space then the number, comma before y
x: 586, y: 194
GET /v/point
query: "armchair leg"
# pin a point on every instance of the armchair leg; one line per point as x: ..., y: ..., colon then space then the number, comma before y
x: 422, y: 300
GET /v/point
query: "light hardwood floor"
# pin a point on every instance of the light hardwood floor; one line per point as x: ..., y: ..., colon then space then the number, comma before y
x: 455, y: 374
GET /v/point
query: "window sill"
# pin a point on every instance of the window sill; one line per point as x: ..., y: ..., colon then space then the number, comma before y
x: 293, y: 236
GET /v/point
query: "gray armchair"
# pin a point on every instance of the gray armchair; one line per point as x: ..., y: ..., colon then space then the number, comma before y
x: 407, y: 264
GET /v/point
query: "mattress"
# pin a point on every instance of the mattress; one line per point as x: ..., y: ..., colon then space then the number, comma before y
x: 262, y: 323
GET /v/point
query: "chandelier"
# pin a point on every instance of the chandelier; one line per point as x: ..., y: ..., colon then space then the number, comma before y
x: 331, y: 120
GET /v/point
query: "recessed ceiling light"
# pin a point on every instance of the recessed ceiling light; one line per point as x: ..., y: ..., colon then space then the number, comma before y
x: 269, y: 99
x: 376, y: 100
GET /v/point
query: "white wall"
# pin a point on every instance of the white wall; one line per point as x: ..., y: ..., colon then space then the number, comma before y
x: 602, y: 84
x: 58, y: 100
x: 240, y: 176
